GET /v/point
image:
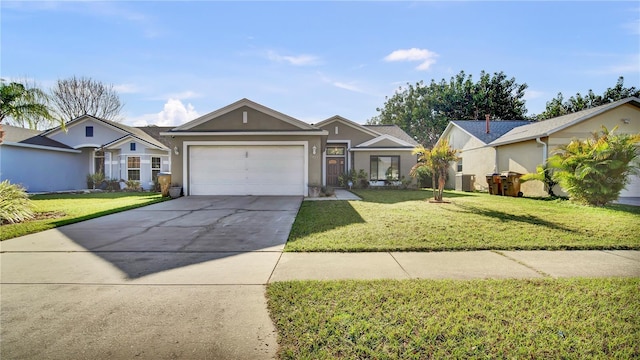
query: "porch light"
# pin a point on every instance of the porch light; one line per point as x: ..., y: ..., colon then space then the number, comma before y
x: 175, y: 150
x: 314, y: 149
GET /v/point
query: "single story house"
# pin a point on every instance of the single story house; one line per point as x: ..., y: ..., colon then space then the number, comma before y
x: 241, y: 149
x: 525, y: 146
x: 471, y: 138
x: 58, y: 159
x: 249, y: 149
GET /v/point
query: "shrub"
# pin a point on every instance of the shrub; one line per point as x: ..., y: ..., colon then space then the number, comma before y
x: 595, y: 170
x: 15, y: 205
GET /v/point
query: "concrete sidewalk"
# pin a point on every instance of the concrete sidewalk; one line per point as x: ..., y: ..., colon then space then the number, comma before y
x: 457, y: 265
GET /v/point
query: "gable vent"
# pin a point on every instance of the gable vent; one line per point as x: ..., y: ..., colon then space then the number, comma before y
x: 336, y: 130
x: 245, y: 117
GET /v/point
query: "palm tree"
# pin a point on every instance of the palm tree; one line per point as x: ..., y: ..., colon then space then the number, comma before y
x: 24, y: 105
x: 595, y: 170
x: 437, y: 160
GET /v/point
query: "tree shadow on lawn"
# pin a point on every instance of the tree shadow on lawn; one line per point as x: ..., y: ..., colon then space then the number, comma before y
x: 93, y: 195
x: 504, y: 217
x: 394, y: 196
x: 320, y: 216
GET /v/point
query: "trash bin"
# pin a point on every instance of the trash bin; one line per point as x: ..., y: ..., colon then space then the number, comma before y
x: 511, y: 183
x: 494, y: 181
x: 164, y: 179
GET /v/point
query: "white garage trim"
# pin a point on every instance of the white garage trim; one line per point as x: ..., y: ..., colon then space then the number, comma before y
x: 187, y: 144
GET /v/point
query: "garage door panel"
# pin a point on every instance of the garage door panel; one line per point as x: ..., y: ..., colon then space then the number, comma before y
x: 247, y: 170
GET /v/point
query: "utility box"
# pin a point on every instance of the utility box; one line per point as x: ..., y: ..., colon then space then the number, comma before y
x: 164, y: 179
x: 465, y: 182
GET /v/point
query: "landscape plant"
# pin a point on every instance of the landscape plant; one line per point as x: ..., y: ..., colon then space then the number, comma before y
x: 437, y: 159
x: 544, y: 174
x: 15, y: 205
x: 595, y: 170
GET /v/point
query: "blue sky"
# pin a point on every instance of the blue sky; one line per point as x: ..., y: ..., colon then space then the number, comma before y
x: 173, y: 61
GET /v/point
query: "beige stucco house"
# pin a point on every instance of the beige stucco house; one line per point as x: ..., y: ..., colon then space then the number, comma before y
x: 246, y: 148
x: 524, y: 146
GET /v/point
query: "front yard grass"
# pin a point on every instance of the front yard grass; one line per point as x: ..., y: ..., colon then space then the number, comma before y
x: 396, y: 220
x: 61, y: 209
x: 422, y: 319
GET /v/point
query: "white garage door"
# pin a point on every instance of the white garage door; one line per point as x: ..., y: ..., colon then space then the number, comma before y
x: 246, y: 170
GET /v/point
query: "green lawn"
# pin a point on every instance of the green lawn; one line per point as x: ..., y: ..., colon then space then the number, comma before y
x: 421, y: 319
x: 397, y: 220
x: 62, y: 209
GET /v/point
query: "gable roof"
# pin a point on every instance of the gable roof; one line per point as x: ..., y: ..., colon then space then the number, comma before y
x: 381, y: 139
x: 394, y: 131
x: 238, y: 104
x: 550, y: 126
x: 124, y: 129
x: 41, y: 140
x: 154, y: 131
x: 350, y: 123
x: 478, y: 128
x: 17, y: 134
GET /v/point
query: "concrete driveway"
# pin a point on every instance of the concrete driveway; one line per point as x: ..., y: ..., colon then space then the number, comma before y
x: 180, y: 279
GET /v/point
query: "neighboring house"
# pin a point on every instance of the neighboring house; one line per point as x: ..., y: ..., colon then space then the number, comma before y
x: 523, y: 147
x: 59, y: 159
x: 248, y: 149
x: 471, y: 138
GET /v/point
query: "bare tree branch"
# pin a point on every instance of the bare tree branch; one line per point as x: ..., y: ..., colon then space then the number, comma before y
x: 75, y: 97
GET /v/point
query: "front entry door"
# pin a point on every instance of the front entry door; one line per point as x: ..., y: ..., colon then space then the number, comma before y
x: 335, y: 168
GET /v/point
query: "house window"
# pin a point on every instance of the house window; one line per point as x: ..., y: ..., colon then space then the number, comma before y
x: 132, y: 146
x: 88, y: 131
x: 155, y: 168
x: 133, y: 168
x: 98, y: 163
x: 385, y: 168
x: 460, y: 165
x: 335, y: 150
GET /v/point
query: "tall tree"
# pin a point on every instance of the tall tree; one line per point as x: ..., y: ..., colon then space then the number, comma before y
x: 558, y: 106
x: 424, y: 111
x: 77, y: 96
x: 24, y: 105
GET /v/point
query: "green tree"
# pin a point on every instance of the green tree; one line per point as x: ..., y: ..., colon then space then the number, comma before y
x: 543, y: 173
x: 558, y: 106
x: 595, y: 170
x: 23, y: 105
x: 437, y: 160
x: 424, y: 111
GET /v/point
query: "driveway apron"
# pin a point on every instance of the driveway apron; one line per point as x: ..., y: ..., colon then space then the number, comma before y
x: 180, y: 279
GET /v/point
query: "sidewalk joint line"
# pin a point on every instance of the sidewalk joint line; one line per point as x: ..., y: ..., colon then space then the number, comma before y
x: 622, y: 256
x: 274, y: 268
x: 544, y: 274
x: 401, y: 267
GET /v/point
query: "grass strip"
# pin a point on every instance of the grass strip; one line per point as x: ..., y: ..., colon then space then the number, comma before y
x: 56, y: 210
x: 396, y: 220
x: 424, y: 319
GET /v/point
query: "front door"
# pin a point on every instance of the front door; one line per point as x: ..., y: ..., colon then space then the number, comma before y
x: 335, y: 168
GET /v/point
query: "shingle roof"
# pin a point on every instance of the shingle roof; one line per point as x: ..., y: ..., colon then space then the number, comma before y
x: 44, y: 141
x: 137, y: 132
x: 17, y: 134
x: 550, y: 126
x: 154, y: 132
x: 393, y: 130
x: 497, y: 128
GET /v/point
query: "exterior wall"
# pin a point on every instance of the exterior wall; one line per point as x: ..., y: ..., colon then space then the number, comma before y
x: 609, y: 119
x: 76, y: 136
x: 384, y: 143
x: 40, y: 170
x: 315, y: 160
x: 346, y: 132
x: 362, y: 160
x: 256, y: 120
x: 476, y: 159
x: 523, y: 157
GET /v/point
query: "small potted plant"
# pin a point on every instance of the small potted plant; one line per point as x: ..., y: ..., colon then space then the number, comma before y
x: 175, y: 190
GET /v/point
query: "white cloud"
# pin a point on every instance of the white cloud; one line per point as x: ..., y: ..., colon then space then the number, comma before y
x: 299, y: 60
x: 126, y: 88
x: 533, y: 94
x: 350, y: 87
x: 174, y: 113
x: 426, y: 57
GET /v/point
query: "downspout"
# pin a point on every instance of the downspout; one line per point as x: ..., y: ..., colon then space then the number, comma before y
x: 544, y: 150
